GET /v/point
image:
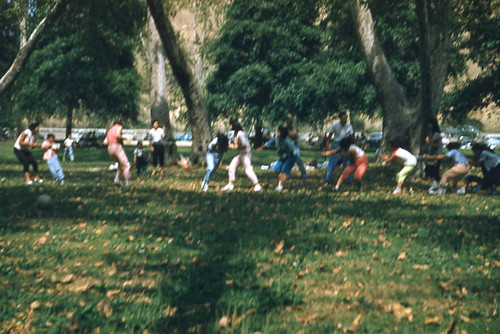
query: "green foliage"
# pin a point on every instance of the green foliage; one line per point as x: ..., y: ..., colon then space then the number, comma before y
x: 9, y: 35
x: 84, y: 62
x: 477, y: 36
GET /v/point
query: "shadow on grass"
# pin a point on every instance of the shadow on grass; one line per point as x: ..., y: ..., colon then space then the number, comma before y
x: 222, y: 229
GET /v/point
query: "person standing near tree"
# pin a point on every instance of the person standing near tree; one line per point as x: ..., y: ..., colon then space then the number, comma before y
x: 114, y: 141
x: 244, y: 157
x: 68, y: 148
x: 22, y: 149
x: 216, y: 149
x: 293, y: 135
x: 156, y: 136
x: 435, y: 145
x: 338, y: 131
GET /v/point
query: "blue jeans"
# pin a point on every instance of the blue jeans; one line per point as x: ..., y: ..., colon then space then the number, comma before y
x: 68, y: 150
x: 213, y: 162
x: 298, y: 160
x: 55, y: 168
x: 285, y: 165
x: 332, y: 163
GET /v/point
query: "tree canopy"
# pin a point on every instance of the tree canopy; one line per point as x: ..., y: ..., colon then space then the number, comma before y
x: 85, y: 62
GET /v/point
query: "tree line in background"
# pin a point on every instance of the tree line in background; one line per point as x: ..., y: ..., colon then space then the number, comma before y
x: 308, y: 58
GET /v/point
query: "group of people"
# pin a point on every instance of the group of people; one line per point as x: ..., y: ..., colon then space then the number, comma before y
x: 343, y: 150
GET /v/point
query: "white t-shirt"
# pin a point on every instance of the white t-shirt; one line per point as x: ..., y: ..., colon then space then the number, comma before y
x: 341, y: 131
x: 357, y: 149
x: 243, y: 143
x: 156, y: 135
x: 408, y: 158
x: 68, y: 142
x: 29, y: 138
x: 489, y: 159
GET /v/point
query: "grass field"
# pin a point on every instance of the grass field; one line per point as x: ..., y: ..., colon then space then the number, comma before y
x: 164, y: 257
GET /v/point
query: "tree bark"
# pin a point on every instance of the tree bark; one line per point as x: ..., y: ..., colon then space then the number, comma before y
x: 158, y: 95
x: 183, y: 72
x: 404, y: 121
x: 69, y: 121
x: 27, y: 49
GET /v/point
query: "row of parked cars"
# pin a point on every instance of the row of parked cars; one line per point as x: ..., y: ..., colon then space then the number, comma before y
x: 465, y: 135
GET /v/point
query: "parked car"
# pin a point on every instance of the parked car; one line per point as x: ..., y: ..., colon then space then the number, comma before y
x: 92, y: 139
x: 374, y: 140
x: 492, y: 142
x: 183, y: 137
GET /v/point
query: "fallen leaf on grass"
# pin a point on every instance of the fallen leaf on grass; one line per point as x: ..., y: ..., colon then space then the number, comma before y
x: 461, y: 291
x: 446, y: 286
x: 105, y: 308
x: 400, y: 311
x: 421, y: 266
x: 279, y: 248
x: 112, y: 270
x: 66, y: 279
x: 433, y: 320
x: 402, y: 256
x: 355, y: 324
x: 224, y: 322
x: 35, y: 305
x: 340, y: 253
x: 309, y: 318
x: 73, y: 326
x: 495, y: 264
x: 170, y: 311
x: 98, y: 264
x: 112, y: 293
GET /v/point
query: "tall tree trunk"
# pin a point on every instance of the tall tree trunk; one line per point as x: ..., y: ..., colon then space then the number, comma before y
x: 158, y: 94
x: 434, y: 45
x: 183, y: 72
x: 27, y: 48
x: 69, y: 121
x: 395, y: 106
x: 403, y: 121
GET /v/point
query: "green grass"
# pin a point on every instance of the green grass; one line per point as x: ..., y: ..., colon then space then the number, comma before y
x: 165, y: 257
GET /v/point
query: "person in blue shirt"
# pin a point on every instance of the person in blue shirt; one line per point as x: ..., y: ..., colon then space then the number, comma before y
x: 216, y: 149
x: 456, y: 173
x: 287, y: 158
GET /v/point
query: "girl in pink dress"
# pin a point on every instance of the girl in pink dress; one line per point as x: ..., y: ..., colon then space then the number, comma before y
x: 115, y: 149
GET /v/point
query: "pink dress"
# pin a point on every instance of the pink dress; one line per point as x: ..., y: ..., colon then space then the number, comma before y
x: 117, y: 153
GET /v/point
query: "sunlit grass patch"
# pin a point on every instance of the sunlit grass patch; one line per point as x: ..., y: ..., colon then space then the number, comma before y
x: 163, y: 256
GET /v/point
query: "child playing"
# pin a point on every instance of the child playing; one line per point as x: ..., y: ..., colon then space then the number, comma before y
x: 216, y: 149
x: 409, y: 161
x: 50, y: 156
x: 244, y: 157
x: 490, y: 165
x: 286, y: 155
x: 140, y: 161
x: 456, y: 173
x: 358, y: 161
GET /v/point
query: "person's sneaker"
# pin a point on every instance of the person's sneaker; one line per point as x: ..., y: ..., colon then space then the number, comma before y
x: 228, y: 187
x: 434, y: 185
x: 461, y: 191
x: 117, y: 183
x: 203, y: 183
x: 304, y: 176
x: 38, y: 180
x: 29, y: 182
x: 441, y: 191
x: 397, y: 191
x: 257, y: 187
x: 205, y: 186
x: 62, y: 182
x: 279, y: 187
